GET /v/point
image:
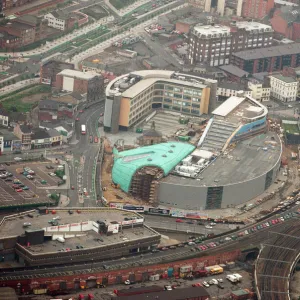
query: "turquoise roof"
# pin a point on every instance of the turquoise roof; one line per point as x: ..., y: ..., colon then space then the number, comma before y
x: 165, y: 156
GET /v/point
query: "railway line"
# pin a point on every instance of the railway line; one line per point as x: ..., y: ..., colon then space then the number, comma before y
x: 275, y: 263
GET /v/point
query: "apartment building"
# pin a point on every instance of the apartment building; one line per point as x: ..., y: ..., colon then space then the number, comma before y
x: 257, y: 9
x: 131, y: 97
x: 215, y: 44
x: 226, y: 90
x: 284, y: 88
x: 260, y: 91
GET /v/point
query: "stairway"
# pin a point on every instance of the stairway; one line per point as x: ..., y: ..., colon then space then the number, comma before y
x: 217, y: 135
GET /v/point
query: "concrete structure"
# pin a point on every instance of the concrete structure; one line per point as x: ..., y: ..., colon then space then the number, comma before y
x: 240, y: 173
x: 257, y: 9
x: 89, y: 83
x: 286, y: 21
x: 284, y: 88
x: 50, y: 68
x: 215, y: 44
x: 260, y: 91
x: 221, y: 7
x: 131, y: 97
x: 108, y: 226
x: 269, y: 59
x: 229, y: 89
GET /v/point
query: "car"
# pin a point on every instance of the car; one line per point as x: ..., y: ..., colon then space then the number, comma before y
x: 220, y: 286
x: 30, y: 177
x: 25, y: 188
x: 56, y: 218
x: 220, y: 280
x: 51, y: 174
x: 164, y: 249
x: 127, y: 282
x: 290, y: 106
x: 30, y: 172
x: 43, y: 182
x: 15, y: 186
x: 19, y: 190
x: 77, y: 119
x: 49, y: 167
x: 95, y: 139
x: 212, y: 224
x: 179, y: 221
x: 191, y: 243
x: 208, y: 227
x: 8, y: 179
x: 189, y: 222
x: 205, y: 283
x: 26, y: 224
x: 81, y: 111
x: 172, y: 247
x: 72, y: 187
x: 85, y: 192
x: 154, y: 250
x: 21, y: 185
x: 70, y: 212
x: 168, y: 288
x: 18, y: 159
x: 197, y: 284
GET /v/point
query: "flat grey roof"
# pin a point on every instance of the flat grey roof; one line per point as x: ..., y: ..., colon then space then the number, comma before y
x: 14, y: 227
x: 245, y: 162
x: 269, y: 52
x: 234, y: 70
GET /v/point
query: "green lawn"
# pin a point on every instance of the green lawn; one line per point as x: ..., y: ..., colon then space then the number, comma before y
x: 119, y: 4
x: 291, y: 128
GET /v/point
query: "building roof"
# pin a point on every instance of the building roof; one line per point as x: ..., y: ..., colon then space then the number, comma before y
x: 59, y: 14
x: 285, y: 79
x: 211, y: 30
x: 279, y: 50
x: 26, y: 128
x: 7, y: 293
x: 234, y: 70
x: 77, y: 74
x: 40, y: 134
x: 152, y: 132
x: 228, y: 106
x: 48, y: 104
x: 251, y: 26
x: 29, y: 19
x: 233, y: 86
x: 53, y: 132
x: 177, y: 294
x: 165, y: 156
x: 20, y: 26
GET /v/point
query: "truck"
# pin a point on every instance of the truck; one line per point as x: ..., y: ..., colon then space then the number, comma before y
x: 213, y: 270
x: 232, y: 278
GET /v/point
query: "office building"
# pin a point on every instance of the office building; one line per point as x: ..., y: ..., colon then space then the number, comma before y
x: 284, y: 88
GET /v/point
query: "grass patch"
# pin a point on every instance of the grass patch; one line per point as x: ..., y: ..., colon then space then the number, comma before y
x: 291, y: 128
x: 13, y: 101
x: 119, y: 4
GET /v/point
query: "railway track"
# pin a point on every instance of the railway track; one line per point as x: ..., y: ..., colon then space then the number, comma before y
x: 275, y: 263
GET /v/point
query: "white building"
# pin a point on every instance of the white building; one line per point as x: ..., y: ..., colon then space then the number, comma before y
x: 284, y: 88
x: 221, y: 7
x: 3, y: 119
x: 260, y: 92
x: 57, y: 20
x: 229, y: 89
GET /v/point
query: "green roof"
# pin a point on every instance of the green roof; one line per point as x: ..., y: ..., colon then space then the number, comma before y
x: 240, y: 292
x: 165, y: 156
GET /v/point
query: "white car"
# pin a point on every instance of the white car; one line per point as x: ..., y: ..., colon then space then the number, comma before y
x: 212, y: 224
x: 52, y: 174
x: 17, y: 158
x: 208, y: 227
x: 127, y: 282
x: 220, y: 280
x: 290, y: 106
x: 168, y: 288
x: 214, y: 281
x: 205, y: 284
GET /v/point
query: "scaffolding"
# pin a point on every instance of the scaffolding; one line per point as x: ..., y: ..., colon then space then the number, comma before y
x: 145, y: 182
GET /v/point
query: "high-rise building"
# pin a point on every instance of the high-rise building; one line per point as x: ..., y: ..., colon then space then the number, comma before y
x: 215, y: 44
x: 221, y: 7
x: 257, y: 9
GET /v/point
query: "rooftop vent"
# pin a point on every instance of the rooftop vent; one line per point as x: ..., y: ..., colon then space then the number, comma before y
x: 173, y: 146
x: 149, y: 159
x: 170, y: 151
x: 164, y: 155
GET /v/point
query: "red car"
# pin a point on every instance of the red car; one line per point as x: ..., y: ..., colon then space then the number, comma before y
x: 15, y: 186
x: 102, y: 114
x: 72, y: 187
x: 179, y: 221
x: 19, y: 190
x: 164, y: 249
x: 77, y: 119
x: 197, y: 284
x: 95, y: 139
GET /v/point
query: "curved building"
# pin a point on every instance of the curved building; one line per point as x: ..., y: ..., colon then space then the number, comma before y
x: 236, y: 160
x: 130, y: 97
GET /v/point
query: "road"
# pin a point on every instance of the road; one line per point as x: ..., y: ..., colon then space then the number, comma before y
x: 190, y: 227
x: 18, y: 85
x: 82, y: 166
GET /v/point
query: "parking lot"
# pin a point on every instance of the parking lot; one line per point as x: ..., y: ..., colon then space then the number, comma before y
x: 26, y: 183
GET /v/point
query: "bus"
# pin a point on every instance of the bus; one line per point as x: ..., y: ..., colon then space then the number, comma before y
x: 83, y: 129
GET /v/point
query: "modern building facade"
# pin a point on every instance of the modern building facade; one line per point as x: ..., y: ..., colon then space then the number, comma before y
x: 215, y: 44
x: 131, y: 97
x: 269, y: 59
x: 284, y: 88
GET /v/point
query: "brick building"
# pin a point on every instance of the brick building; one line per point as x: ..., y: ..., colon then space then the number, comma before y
x: 257, y: 9
x: 286, y: 21
x: 88, y: 83
x: 268, y: 59
x: 24, y: 132
x: 50, y: 69
x: 215, y: 44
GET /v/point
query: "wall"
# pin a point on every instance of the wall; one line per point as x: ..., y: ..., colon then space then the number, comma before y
x: 249, y: 127
x: 205, y: 101
x: 124, y: 112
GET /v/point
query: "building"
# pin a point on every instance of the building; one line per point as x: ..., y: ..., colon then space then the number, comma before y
x: 107, y: 226
x: 221, y: 7
x: 130, y: 97
x: 50, y: 69
x: 257, y: 9
x: 228, y: 89
x: 215, y: 44
x: 200, y: 293
x: 24, y: 132
x: 284, y: 88
x: 269, y: 59
x: 234, y: 73
x: 65, y: 129
x: 52, y: 110
x: 40, y: 138
x: 260, y: 91
x: 88, y: 83
x: 56, y: 138
x: 150, y: 137
x: 8, y: 137
x: 293, y: 72
x: 286, y: 21
x: 3, y: 117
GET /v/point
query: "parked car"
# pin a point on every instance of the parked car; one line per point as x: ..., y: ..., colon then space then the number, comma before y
x: 17, y: 158
x: 25, y: 188
x: 179, y: 221
x: 30, y: 177
x: 205, y: 284
x: 19, y: 190
x: 51, y: 174
x: 95, y: 139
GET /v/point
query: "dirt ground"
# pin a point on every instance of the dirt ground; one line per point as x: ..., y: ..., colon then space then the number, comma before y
x: 34, y: 98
